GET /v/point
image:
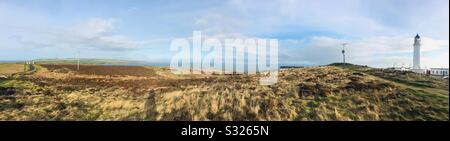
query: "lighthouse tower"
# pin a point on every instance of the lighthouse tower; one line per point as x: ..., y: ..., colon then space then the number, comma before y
x: 416, y: 58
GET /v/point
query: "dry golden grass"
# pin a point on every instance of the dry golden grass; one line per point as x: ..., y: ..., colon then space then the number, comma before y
x: 317, y: 93
x: 10, y: 68
x: 45, y: 103
x: 313, y: 93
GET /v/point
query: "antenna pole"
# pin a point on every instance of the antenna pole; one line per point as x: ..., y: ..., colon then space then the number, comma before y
x: 343, y: 51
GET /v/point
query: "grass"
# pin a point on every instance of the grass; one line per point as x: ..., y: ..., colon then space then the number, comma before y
x: 335, y: 92
x: 10, y: 68
x: 317, y: 93
x: 33, y: 102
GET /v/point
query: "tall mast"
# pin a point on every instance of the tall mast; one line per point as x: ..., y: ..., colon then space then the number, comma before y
x: 343, y: 51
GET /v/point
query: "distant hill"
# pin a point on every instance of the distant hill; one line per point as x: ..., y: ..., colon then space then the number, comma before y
x: 92, y: 61
x: 346, y: 65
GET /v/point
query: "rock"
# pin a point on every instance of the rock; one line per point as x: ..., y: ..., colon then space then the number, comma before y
x: 3, y: 77
x: 7, y: 91
x: 312, y: 79
x: 379, y: 86
x: 317, y: 90
x: 305, y: 90
x: 323, y: 91
x: 47, y: 92
x: 355, y: 85
x: 358, y: 74
x: 355, y: 78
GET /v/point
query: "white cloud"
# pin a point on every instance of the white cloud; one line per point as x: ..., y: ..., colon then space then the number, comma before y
x: 132, y: 9
x: 93, y: 34
x: 436, y: 60
x: 379, y: 51
x: 96, y: 28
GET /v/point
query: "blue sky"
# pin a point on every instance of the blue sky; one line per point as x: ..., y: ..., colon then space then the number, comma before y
x: 379, y: 32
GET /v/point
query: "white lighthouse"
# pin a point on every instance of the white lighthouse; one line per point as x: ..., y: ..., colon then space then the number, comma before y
x: 416, y: 58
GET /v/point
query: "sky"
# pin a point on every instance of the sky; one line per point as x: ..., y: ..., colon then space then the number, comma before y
x: 379, y: 33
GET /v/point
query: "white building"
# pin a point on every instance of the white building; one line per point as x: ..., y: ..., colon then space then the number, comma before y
x: 439, y: 71
x: 416, y: 56
x: 416, y: 63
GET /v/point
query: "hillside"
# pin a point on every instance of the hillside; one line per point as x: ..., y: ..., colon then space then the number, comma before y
x: 334, y: 92
x: 323, y: 93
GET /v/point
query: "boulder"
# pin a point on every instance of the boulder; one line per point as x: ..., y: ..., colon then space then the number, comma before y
x: 7, y: 91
